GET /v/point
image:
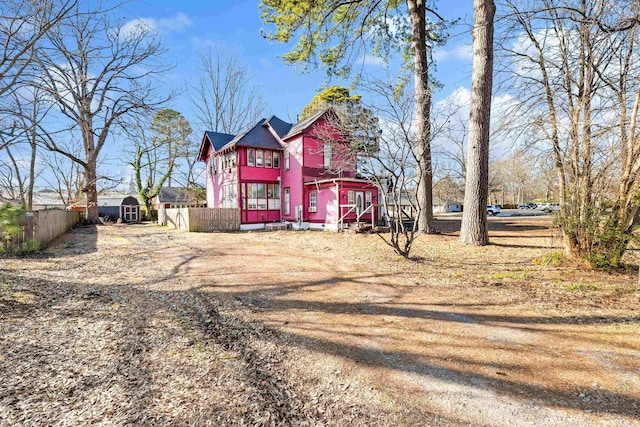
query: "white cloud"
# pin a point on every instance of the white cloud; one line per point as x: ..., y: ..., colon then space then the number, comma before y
x: 175, y: 24
x: 373, y: 60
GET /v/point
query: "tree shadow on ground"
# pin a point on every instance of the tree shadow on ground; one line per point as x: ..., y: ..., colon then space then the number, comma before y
x: 206, y: 305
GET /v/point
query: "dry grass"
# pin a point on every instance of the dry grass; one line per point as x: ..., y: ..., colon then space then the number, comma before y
x: 135, y: 325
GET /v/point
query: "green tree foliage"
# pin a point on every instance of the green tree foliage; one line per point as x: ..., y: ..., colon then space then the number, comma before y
x: 11, y: 217
x: 156, y: 155
x: 335, y: 95
x: 11, y: 220
x: 335, y: 33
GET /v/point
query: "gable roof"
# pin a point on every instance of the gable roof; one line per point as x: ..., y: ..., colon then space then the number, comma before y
x: 304, y: 124
x: 257, y: 136
x: 216, y: 139
x: 280, y: 126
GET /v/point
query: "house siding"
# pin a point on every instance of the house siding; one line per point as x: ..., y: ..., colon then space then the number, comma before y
x: 292, y: 178
x: 306, y: 173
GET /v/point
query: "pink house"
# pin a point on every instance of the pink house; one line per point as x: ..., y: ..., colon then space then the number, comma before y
x: 276, y: 171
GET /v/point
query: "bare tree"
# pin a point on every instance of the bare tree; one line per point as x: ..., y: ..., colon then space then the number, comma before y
x: 579, y: 76
x: 99, y: 74
x: 474, y: 230
x: 22, y: 25
x: 28, y: 108
x: 225, y: 97
x: 153, y: 161
x: 387, y: 153
x: 64, y: 177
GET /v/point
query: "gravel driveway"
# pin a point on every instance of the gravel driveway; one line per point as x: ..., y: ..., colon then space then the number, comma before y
x: 130, y: 325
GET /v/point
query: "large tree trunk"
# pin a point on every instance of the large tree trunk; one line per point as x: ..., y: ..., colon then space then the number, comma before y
x: 474, y: 230
x: 417, y: 14
x: 91, y: 192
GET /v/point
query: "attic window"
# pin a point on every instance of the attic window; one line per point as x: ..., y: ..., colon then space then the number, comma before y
x: 327, y: 156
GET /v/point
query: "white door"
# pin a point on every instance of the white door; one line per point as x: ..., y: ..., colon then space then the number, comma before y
x: 131, y: 213
x: 359, y: 202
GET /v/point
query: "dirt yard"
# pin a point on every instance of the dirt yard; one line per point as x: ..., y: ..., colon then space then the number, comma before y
x: 130, y: 325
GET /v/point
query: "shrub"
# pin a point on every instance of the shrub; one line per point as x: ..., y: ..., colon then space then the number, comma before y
x: 11, y: 217
x: 30, y: 245
x: 553, y: 258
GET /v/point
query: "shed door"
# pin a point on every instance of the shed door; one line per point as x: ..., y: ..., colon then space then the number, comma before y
x: 131, y: 213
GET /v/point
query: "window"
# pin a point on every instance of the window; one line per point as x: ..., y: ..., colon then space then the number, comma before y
x: 287, y: 202
x: 212, y: 165
x: 228, y: 160
x: 286, y: 159
x: 251, y: 157
x: 351, y: 197
x: 273, y: 195
x: 327, y: 156
x: 229, y: 195
x: 276, y: 160
x: 367, y: 199
x: 313, y: 198
x: 259, y: 158
x: 257, y: 196
x: 267, y: 159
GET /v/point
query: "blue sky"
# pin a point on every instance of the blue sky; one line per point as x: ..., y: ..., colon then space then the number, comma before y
x: 236, y: 24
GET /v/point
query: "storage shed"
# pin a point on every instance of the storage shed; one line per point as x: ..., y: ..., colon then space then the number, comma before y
x: 114, y: 207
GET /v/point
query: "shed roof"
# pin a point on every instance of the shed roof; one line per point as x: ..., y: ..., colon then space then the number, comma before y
x: 117, y: 201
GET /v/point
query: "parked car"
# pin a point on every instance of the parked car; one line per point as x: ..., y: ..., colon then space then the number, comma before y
x: 523, y: 206
x: 493, y: 210
x: 531, y: 206
x: 551, y: 207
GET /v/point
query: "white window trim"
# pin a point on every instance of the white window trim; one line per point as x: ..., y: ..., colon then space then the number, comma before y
x: 313, y: 201
x: 286, y: 197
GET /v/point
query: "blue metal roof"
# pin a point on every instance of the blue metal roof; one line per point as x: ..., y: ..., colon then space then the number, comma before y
x: 257, y: 136
x: 218, y: 139
x: 280, y: 126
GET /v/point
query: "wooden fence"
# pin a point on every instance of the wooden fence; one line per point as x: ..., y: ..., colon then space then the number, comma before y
x: 52, y: 223
x: 201, y: 219
x: 43, y: 226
